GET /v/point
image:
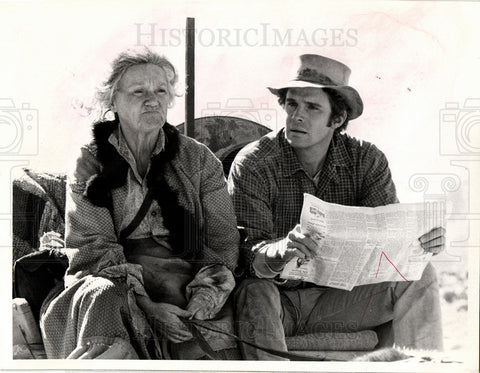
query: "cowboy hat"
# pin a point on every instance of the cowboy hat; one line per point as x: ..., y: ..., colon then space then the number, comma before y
x: 322, y: 72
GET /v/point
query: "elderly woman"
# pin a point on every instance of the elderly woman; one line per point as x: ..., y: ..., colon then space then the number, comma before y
x: 151, y: 234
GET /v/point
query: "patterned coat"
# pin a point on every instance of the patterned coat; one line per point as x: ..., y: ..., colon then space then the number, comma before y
x: 95, y: 255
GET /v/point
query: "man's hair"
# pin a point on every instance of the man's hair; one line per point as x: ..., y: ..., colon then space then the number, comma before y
x: 106, y: 93
x: 337, y: 103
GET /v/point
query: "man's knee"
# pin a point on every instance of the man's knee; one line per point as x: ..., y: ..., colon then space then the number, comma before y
x: 258, y: 310
x: 259, y: 296
x: 429, y: 276
x: 428, y: 281
x: 256, y: 287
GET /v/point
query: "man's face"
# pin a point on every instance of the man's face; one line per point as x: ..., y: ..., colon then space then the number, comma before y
x: 142, y: 98
x: 308, y: 114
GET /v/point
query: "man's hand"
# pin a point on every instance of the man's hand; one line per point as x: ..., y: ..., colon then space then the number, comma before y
x: 166, y: 319
x: 296, y: 244
x: 433, y: 241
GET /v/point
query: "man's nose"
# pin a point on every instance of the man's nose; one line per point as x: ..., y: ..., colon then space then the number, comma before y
x: 298, y: 114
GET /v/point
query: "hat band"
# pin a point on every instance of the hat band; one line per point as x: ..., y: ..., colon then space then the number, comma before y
x: 313, y: 76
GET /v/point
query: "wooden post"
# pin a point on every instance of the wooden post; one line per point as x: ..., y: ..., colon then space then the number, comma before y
x: 189, y: 128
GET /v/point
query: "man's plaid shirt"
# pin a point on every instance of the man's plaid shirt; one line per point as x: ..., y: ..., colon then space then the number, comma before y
x: 267, y: 183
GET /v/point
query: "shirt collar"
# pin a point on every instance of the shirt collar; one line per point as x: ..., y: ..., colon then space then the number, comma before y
x: 338, y: 151
x: 117, y: 139
x: 337, y: 154
x: 291, y: 163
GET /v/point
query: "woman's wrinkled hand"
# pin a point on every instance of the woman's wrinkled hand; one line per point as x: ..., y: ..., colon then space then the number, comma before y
x: 165, y: 319
x: 200, y: 308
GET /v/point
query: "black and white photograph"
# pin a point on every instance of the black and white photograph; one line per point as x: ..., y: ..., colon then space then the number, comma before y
x: 240, y: 186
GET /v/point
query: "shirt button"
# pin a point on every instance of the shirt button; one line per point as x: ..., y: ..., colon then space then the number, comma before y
x: 154, y: 213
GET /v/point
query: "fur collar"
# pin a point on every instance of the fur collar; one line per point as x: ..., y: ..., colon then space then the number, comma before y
x: 186, y: 235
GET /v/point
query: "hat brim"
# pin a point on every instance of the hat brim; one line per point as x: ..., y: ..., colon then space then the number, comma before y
x: 349, y: 94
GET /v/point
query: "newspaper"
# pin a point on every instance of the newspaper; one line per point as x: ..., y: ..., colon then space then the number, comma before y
x: 364, y: 245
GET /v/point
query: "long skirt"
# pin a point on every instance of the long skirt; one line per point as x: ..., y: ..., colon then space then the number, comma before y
x: 99, y: 318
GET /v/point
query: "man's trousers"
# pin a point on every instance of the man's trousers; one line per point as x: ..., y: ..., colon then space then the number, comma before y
x: 267, y: 314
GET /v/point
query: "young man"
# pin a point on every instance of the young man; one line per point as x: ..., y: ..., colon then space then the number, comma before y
x: 267, y: 182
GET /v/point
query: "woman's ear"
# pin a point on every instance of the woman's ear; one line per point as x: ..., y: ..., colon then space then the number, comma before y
x: 113, y: 108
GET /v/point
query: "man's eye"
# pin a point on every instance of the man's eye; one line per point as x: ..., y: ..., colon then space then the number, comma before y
x: 161, y: 91
x: 138, y: 92
x: 291, y: 104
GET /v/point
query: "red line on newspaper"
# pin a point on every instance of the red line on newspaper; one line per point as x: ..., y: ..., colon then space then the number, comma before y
x: 380, y: 262
x: 378, y: 269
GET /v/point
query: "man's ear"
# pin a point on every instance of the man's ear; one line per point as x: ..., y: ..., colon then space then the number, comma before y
x: 339, y: 120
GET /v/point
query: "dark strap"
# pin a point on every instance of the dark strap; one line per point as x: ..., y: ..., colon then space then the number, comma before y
x: 142, y: 211
x: 203, y: 344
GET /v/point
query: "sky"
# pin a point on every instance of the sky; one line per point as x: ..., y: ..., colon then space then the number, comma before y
x: 416, y: 65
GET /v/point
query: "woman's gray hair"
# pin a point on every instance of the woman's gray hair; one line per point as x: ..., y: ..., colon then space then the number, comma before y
x: 106, y: 93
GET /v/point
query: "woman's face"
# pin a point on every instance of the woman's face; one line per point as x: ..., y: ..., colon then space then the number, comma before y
x: 142, y: 98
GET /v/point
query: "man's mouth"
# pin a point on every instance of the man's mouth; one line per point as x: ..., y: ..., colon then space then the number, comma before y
x: 298, y: 131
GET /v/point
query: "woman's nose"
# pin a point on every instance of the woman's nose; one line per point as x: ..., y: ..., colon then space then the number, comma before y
x: 151, y: 99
